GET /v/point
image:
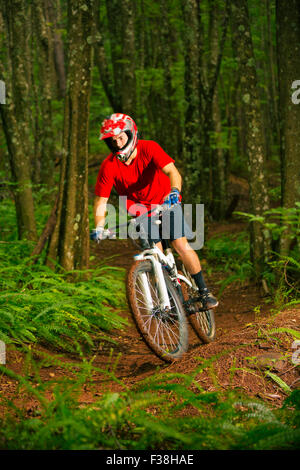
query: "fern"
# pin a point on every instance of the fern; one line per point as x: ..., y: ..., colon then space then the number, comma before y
x: 39, y: 305
x: 279, y: 381
x: 124, y: 420
x: 290, y: 331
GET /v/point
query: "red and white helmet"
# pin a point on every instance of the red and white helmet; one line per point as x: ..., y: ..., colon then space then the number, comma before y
x: 112, y: 126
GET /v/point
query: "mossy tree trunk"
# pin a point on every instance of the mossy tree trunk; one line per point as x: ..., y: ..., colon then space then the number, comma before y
x: 15, y: 114
x: 254, y: 128
x: 288, y: 47
x: 69, y: 244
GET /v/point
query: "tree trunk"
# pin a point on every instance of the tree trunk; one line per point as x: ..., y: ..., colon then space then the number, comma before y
x: 46, y: 84
x: 254, y: 129
x: 16, y: 115
x: 54, y: 13
x: 101, y: 61
x: 273, y: 76
x: 288, y: 47
x: 192, y: 125
x: 128, y: 86
x: 217, y: 167
x: 115, y: 17
x: 169, y: 115
x: 69, y: 244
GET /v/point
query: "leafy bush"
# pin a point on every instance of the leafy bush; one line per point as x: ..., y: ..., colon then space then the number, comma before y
x: 283, y: 270
x: 39, y: 305
x: 230, y: 254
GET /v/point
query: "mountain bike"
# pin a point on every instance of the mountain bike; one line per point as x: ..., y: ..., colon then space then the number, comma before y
x: 163, y: 298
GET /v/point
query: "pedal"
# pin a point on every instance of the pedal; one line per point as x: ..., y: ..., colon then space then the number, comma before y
x: 191, y: 309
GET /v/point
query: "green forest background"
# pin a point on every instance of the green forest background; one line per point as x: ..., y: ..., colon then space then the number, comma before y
x: 217, y: 85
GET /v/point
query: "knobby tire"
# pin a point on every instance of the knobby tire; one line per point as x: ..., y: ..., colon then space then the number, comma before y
x: 203, y: 323
x: 146, y: 321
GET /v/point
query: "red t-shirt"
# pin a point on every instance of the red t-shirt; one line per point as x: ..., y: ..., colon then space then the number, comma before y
x: 143, y: 181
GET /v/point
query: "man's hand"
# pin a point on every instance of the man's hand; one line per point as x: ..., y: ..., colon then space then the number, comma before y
x: 100, y: 233
x: 174, y: 197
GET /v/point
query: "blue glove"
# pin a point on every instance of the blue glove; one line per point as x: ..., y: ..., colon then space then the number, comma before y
x: 100, y: 233
x: 173, y: 197
x: 97, y: 234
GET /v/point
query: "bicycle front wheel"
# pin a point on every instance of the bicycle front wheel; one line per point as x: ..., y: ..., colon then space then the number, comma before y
x: 164, y: 331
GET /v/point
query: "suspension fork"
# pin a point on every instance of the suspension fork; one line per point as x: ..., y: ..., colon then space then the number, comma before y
x: 145, y: 287
x: 161, y: 284
x: 162, y: 290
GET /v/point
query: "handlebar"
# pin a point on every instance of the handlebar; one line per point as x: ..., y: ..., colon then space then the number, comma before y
x: 160, y: 208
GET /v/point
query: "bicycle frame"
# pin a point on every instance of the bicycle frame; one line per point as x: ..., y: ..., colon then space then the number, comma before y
x: 158, y: 260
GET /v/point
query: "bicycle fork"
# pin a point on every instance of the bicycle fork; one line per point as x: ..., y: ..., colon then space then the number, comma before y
x: 162, y: 291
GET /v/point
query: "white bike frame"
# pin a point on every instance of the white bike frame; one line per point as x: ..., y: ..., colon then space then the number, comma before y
x: 158, y: 259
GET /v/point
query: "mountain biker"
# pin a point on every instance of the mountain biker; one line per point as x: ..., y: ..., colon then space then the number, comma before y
x: 146, y: 174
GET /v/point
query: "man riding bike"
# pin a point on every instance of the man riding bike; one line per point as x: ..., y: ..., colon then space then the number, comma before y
x: 143, y: 172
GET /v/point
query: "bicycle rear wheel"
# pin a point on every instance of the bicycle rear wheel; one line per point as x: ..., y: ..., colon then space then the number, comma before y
x: 165, y: 332
x: 203, y: 322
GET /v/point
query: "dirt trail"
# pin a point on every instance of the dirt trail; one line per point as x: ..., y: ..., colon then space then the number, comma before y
x: 241, y: 312
x: 239, y: 356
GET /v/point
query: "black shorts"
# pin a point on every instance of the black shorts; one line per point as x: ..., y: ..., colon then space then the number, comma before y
x: 173, y: 226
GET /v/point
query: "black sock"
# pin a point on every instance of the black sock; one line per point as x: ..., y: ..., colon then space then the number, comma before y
x: 199, y: 280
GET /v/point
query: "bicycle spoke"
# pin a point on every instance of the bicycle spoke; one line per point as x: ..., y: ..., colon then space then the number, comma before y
x: 164, y: 330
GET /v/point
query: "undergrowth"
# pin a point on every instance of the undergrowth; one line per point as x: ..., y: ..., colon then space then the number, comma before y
x: 230, y: 254
x: 40, y: 305
x: 167, y: 412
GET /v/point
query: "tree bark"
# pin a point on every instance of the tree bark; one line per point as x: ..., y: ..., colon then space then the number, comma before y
x: 15, y: 113
x: 69, y: 244
x: 254, y: 128
x: 54, y: 12
x: 101, y: 61
x: 46, y: 86
x: 115, y: 17
x: 288, y: 47
x: 217, y: 167
x: 46, y: 234
x: 128, y: 90
x: 193, y: 124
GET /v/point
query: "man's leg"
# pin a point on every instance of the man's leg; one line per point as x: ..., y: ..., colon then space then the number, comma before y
x: 192, y: 263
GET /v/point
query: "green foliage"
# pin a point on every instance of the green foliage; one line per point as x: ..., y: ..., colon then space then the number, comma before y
x: 228, y: 249
x: 282, y: 223
x: 8, y: 226
x: 278, y: 221
x: 229, y: 253
x: 152, y: 416
x: 39, y: 305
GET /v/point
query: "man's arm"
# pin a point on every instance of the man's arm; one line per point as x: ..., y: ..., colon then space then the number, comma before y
x: 175, y: 178
x: 100, y: 210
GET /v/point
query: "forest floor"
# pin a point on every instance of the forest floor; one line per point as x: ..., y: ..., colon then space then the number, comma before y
x: 245, y: 347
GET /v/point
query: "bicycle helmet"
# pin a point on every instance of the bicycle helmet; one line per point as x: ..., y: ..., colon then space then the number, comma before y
x: 112, y: 126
